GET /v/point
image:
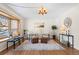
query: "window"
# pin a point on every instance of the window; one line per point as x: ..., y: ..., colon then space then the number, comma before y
x: 8, y: 26
x: 4, y: 26
x: 14, y: 27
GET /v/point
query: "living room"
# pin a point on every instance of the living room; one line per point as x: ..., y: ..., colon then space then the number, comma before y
x: 40, y: 25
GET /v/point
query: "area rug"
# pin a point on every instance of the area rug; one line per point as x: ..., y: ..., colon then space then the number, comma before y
x: 40, y: 46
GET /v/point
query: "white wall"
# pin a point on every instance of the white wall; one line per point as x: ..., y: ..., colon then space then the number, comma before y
x: 75, y: 28
x: 31, y: 25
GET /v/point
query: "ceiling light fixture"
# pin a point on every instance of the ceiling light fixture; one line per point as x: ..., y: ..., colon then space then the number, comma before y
x: 42, y: 11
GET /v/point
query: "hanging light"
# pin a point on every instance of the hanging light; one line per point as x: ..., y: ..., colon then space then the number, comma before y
x: 42, y: 11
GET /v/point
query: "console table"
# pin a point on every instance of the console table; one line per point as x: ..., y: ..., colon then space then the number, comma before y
x: 61, y: 36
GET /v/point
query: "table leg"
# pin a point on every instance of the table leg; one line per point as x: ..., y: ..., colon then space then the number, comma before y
x: 7, y: 45
x: 19, y: 41
x: 14, y: 44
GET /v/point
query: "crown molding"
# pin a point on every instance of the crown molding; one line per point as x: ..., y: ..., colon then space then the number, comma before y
x: 5, y: 11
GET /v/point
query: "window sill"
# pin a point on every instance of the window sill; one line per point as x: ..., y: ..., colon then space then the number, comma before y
x: 4, y: 39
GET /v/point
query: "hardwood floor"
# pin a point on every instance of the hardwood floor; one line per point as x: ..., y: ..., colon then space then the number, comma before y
x: 66, y: 51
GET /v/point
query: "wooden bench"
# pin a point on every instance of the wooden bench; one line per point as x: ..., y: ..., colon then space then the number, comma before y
x: 14, y: 40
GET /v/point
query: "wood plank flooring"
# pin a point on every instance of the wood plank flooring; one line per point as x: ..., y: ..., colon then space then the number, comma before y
x: 66, y: 51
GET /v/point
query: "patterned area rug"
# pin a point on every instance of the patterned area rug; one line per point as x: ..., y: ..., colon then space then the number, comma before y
x: 40, y: 46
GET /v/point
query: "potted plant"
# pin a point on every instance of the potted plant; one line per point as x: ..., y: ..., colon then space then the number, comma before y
x: 54, y: 28
x: 25, y: 31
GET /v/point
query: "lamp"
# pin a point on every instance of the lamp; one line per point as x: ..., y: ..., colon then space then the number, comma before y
x: 62, y: 29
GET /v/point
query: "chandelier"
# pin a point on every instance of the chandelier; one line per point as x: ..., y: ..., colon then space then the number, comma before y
x: 42, y: 11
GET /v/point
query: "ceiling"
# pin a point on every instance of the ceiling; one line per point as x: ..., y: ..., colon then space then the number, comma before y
x: 30, y: 10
